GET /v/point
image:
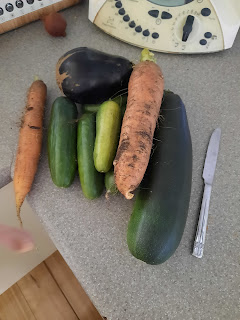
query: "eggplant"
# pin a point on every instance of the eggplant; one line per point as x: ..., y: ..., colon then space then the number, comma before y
x: 89, y: 76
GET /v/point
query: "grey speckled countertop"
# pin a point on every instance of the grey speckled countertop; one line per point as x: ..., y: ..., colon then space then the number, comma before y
x: 92, y: 235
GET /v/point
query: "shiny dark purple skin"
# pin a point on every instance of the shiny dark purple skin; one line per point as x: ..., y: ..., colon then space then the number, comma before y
x: 92, y: 76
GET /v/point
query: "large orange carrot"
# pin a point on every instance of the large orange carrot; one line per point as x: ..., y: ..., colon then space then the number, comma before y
x: 30, y: 142
x: 145, y: 92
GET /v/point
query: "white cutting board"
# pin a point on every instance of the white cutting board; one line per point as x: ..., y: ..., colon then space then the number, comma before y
x: 14, y: 266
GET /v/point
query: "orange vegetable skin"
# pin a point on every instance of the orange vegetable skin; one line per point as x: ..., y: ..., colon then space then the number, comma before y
x: 145, y: 92
x: 30, y: 142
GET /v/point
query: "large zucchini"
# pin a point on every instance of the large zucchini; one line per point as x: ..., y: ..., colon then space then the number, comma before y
x: 62, y: 142
x: 160, y: 211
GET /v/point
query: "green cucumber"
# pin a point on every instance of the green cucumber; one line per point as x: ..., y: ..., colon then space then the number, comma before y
x: 120, y: 100
x: 160, y: 211
x: 107, y: 135
x: 110, y: 184
x: 91, y: 180
x: 91, y: 108
x: 62, y: 141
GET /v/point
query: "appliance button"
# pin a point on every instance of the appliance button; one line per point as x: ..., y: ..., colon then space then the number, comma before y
x: 206, y: 12
x: 166, y: 15
x: 153, y: 13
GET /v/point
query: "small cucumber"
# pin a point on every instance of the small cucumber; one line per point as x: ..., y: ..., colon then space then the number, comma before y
x: 91, y: 108
x: 62, y: 141
x: 91, y: 180
x: 120, y: 100
x: 110, y: 183
x: 107, y: 135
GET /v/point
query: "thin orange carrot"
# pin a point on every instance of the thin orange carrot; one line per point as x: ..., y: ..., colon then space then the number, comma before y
x: 30, y: 143
x: 145, y: 92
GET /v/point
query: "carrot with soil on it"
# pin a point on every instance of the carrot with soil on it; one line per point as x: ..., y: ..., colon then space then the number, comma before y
x: 30, y: 143
x: 145, y: 92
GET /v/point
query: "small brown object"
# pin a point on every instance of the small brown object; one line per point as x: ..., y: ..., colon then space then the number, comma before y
x: 55, y: 24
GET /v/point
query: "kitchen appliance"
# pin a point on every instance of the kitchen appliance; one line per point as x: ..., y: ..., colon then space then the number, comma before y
x: 208, y: 175
x: 174, y: 26
x: 14, y: 14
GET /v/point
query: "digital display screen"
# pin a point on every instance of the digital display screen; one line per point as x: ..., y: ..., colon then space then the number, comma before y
x: 170, y: 3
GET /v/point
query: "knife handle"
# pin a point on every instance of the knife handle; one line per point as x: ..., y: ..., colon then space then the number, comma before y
x: 202, y: 223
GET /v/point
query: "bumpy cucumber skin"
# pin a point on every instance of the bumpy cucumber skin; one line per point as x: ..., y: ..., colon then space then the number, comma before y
x: 92, y: 182
x: 108, y: 124
x: 62, y: 141
x: 121, y: 100
x: 110, y: 184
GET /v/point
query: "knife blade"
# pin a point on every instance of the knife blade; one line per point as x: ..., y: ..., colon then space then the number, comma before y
x: 211, y: 157
x: 208, y: 176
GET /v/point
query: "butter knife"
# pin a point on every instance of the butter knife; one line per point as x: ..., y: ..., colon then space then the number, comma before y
x: 208, y: 175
